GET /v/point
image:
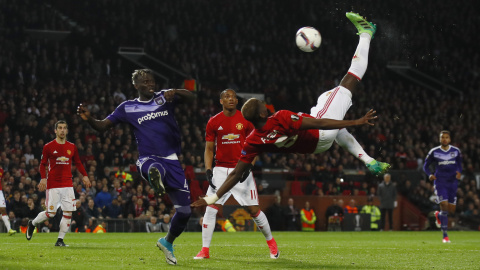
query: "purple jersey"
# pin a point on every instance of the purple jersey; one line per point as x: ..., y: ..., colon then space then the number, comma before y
x: 447, y: 163
x: 154, y: 124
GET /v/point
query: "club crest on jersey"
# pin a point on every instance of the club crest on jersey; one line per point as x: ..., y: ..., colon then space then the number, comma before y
x: 160, y: 100
x: 294, y: 117
x: 239, y: 126
x: 230, y: 137
x: 452, y: 154
x: 51, y: 207
x: 69, y: 152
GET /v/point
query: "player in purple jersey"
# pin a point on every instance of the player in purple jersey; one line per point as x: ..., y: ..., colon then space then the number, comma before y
x: 151, y: 117
x: 448, y: 170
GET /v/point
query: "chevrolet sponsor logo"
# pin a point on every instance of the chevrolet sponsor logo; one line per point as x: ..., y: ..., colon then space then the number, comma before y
x: 230, y: 137
x: 63, y: 159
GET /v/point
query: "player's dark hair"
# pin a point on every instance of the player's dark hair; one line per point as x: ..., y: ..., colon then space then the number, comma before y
x: 250, y: 109
x: 444, y: 132
x: 61, y: 122
x: 225, y: 91
x: 138, y: 73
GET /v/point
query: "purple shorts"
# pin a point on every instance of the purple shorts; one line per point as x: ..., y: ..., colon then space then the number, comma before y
x: 446, y: 191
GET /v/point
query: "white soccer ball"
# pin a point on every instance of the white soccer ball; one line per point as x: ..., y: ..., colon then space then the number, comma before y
x: 308, y: 39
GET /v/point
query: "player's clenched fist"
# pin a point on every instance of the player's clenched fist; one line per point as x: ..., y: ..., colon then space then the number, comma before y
x: 83, y: 112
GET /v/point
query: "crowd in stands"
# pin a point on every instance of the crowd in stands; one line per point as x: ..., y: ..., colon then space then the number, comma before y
x: 231, y: 44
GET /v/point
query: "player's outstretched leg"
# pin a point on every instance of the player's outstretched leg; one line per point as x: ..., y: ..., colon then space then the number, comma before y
x: 362, y: 25
x: 378, y: 168
x: 349, y: 143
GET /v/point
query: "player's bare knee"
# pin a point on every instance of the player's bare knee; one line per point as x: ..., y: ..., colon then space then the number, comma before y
x: 350, y: 82
x: 253, y: 209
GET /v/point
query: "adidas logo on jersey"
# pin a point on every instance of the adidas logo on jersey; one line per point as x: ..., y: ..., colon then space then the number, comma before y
x: 220, y: 128
x: 55, y: 152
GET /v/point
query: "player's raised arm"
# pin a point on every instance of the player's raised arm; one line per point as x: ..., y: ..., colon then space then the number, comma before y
x: 232, y: 179
x: 313, y: 123
x: 182, y: 93
x: 99, y: 125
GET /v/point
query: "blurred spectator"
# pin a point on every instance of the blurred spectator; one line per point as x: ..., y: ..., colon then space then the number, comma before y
x: 103, y: 198
x: 79, y: 218
x: 114, y: 210
x: 311, y: 188
x: 351, y: 208
x: 387, y: 193
x: 101, y: 228
x: 276, y: 215
x: 153, y: 226
x: 292, y: 215
x: 32, y: 210
x: 374, y: 212
x: 92, y: 211
x: 334, y: 215
x: 308, y: 218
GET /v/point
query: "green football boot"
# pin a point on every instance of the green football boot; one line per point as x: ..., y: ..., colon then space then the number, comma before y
x: 378, y: 168
x: 362, y: 25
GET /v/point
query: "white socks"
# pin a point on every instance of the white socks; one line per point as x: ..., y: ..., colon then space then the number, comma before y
x: 360, y: 58
x: 349, y: 143
x: 208, y: 225
x: 64, y: 224
x: 262, y: 223
x: 41, y: 217
x: 6, y: 221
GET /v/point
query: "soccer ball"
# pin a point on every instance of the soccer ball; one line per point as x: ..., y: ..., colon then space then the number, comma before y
x: 308, y: 39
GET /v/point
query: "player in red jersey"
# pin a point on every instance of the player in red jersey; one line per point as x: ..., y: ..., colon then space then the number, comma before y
x: 290, y: 132
x: 3, y: 208
x: 57, y: 157
x: 227, y: 131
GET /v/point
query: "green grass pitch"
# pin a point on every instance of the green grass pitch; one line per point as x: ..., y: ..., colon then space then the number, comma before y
x: 246, y: 250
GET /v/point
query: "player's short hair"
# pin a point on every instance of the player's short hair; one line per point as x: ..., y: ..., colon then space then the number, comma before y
x: 60, y: 122
x: 444, y: 132
x: 250, y: 109
x: 138, y: 73
x: 225, y: 91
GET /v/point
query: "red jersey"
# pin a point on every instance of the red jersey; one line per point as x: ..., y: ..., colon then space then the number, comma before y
x: 1, y: 178
x: 229, y: 135
x: 58, y: 158
x: 281, y: 134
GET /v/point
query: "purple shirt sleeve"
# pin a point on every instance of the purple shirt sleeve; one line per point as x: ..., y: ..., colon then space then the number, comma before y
x: 427, y: 163
x: 118, y: 115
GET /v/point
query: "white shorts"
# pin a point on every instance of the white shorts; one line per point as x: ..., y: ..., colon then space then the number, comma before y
x: 245, y: 193
x: 332, y: 104
x: 2, y: 199
x: 63, y: 197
